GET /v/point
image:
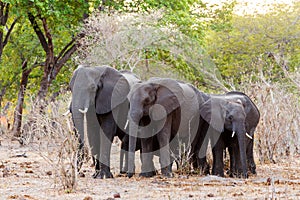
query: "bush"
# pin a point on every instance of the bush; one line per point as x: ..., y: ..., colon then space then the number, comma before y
x: 278, y: 133
x: 52, y: 135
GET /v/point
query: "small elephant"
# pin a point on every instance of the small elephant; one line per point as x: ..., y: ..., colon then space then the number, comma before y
x: 99, y: 109
x: 228, y: 120
x: 252, y: 119
x: 165, y: 108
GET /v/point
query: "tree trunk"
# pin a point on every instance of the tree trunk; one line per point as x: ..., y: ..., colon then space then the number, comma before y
x: 19, y: 108
x: 2, y: 92
x: 53, y: 63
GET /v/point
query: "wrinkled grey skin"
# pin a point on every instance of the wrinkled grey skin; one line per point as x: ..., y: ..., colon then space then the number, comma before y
x: 220, y: 116
x: 101, y: 93
x: 164, y: 108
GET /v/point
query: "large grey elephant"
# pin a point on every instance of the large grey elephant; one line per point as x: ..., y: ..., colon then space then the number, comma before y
x: 99, y: 109
x: 167, y: 109
x: 228, y: 121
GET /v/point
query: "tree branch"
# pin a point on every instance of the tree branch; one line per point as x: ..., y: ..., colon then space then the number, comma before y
x: 48, y: 35
x: 38, y: 31
x: 65, y: 49
x: 60, y: 63
x: 9, y: 31
x: 66, y: 53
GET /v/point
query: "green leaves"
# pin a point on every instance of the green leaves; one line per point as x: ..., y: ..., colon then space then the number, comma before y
x: 267, y: 44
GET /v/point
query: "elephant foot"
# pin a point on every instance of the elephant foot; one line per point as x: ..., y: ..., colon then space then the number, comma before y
x: 130, y: 174
x: 244, y: 175
x: 168, y: 175
x: 147, y: 174
x: 218, y: 173
x: 102, y: 174
x: 252, y: 169
x: 166, y: 172
x: 123, y: 171
x: 233, y: 174
x: 240, y: 174
x: 204, y: 168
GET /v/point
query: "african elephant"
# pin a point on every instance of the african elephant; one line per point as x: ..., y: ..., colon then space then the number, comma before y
x: 226, y: 120
x: 99, y: 109
x: 167, y: 109
x: 251, y: 122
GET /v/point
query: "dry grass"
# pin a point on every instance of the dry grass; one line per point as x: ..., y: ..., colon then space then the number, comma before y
x: 277, y: 136
x: 51, y: 134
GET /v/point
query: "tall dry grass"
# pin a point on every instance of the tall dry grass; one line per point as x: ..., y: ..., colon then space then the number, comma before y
x: 51, y: 133
x: 277, y: 136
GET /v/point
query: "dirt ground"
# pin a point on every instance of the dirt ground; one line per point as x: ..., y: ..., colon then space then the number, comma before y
x: 25, y: 174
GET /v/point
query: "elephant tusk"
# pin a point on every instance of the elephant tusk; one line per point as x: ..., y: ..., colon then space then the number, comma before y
x: 83, y: 111
x: 233, y: 133
x: 85, y: 128
x: 66, y: 113
x: 249, y: 136
x: 126, y: 124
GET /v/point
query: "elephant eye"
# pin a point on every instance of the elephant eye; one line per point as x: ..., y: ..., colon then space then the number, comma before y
x: 230, y: 117
x: 147, y: 100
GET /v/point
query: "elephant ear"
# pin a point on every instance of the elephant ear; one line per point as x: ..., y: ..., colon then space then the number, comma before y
x: 169, y: 96
x: 213, y: 112
x: 113, y: 90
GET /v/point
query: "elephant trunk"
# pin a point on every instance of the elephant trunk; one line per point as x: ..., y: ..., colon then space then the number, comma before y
x: 87, y: 125
x: 134, y: 118
x: 241, y: 135
x: 78, y: 118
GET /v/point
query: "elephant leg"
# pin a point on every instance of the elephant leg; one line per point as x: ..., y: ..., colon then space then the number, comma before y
x: 194, y: 161
x: 80, y: 154
x: 164, y: 137
x: 218, y: 156
x: 124, y: 150
x: 148, y: 169
x: 237, y: 169
x: 123, y: 165
x: 233, y: 161
x: 250, y: 157
x: 108, y: 131
x: 201, y: 145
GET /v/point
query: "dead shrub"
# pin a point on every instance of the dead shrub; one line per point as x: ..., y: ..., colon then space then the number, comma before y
x: 51, y: 134
x: 278, y: 133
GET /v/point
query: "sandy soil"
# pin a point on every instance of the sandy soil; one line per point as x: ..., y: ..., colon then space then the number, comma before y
x: 25, y: 174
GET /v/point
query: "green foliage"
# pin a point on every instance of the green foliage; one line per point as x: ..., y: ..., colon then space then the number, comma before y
x: 62, y: 19
x: 267, y: 44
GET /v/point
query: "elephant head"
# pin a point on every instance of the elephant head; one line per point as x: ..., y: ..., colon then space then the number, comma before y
x: 251, y: 122
x: 227, y: 113
x: 95, y: 90
x: 151, y: 101
x: 252, y: 112
x: 155, y: 98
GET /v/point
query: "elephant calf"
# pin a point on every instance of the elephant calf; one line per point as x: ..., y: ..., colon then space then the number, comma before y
x: 228, y: 121
x: 163, y: 108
